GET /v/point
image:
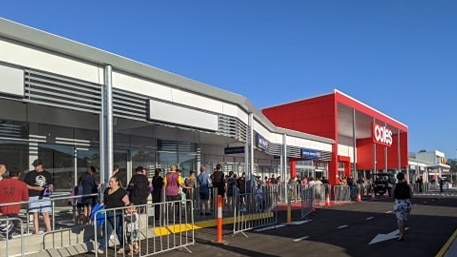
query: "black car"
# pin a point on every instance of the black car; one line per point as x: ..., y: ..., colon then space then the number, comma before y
x: 383, y: 183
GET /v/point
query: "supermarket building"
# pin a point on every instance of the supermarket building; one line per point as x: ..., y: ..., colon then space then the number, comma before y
x: 73, y: 105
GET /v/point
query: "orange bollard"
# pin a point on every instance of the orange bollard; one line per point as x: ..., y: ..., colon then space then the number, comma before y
x: 219, y: 220
x: 359, y: 197
x: 327, y: 200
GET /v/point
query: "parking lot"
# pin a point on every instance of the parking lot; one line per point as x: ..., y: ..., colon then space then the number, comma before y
x: 358, y: 229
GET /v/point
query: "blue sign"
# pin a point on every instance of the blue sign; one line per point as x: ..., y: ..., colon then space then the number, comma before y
x: 262, y: 143
x: 310, y: 154
x: 234, y: 150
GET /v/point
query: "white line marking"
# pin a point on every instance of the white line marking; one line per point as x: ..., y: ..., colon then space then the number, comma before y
x: 300, y: 222
x: 270, y: 227
x: 301, y: 238
x: 370, y: 218
x: 388, y: 211
x: 342, y: 226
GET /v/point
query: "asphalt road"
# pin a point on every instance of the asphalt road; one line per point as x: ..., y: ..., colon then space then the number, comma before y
x: 339, y: 231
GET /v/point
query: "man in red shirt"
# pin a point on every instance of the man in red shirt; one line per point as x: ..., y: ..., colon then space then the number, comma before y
x: 12, y: 190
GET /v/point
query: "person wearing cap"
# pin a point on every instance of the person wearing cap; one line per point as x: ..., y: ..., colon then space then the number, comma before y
x: 89, y: 188
x: 12, y: 190
x: 40, y: 185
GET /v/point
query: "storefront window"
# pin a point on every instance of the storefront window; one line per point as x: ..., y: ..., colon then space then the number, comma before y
x: 15, y: 155
x: 86, y: 158
x: 144, y: 158
x: 59, y: 160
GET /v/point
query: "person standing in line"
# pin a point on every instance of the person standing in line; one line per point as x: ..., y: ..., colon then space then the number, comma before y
x: 190, y: 182
x: 203, y: 191
x: 231, y: 190
x: 114, y: 197
x: 12, y: 190
x: 402, y: 207
x: 171, y: 184
x: 157, y: 184
x: 40, y: 185
x: 89, y: 187
x: 219, y: 180
x: 138, y: 188
x: 241, y: 182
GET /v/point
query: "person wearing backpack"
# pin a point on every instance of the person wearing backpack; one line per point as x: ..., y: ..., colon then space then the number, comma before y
x: 138, y: 188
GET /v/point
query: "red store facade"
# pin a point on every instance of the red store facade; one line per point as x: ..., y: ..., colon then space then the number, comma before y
x: 366, y: 140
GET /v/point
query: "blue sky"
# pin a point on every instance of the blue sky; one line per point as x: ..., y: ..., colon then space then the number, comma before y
x: 400, y: 57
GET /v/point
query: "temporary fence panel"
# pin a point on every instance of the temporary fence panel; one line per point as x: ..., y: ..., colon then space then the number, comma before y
x: 307, y: 200
x: 319, y: 194
x: 9, y: 227
x: 162, y: 227
x: 342, y: 194
x: 255, y: 209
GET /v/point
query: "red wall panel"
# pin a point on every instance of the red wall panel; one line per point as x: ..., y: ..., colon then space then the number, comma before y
x: 314, y: 116
x: 365, y: 154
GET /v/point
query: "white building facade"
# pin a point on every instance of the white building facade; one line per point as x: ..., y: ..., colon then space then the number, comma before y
x: 75, y: 106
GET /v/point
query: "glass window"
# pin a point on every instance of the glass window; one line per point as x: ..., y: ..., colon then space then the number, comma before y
x: 15, y: 155
x: 59, y: 160
x: 144, y: 158
x: 86, y: 158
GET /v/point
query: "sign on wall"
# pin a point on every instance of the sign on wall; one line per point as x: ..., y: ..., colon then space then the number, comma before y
x: 262, y: 143
x: 381, y: 135
x: 310, y: 154
x: 234, y: 150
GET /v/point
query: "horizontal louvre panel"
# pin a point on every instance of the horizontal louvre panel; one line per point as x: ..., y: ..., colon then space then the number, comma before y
x: 275, y: 149
x: 59, y: 91
x: 232, y: 127
x: 293, y: 151
x: 130, y: 106
x: 325, y: 156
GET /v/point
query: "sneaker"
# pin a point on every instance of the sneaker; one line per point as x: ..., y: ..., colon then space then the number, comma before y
x: 98, y: 251
x: 120, y: 251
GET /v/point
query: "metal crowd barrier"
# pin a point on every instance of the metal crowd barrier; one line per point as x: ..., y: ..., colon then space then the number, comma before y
x: 307, y: 201
x: 255, y: 209
x: 26, y: 222
x: 162, y: 227
x: 421, y: 188
x: 319, y: 194
x: 342, y: 194
x: 16, y: 223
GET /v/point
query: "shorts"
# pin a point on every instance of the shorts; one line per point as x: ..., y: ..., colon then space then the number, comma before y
x: 132, y: 236
x: 204, y: 196
x: 170, y: 198
x: 39, y: 204
x: 402, y: 208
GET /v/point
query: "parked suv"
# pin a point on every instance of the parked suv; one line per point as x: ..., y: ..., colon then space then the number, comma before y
x: 383, y: 183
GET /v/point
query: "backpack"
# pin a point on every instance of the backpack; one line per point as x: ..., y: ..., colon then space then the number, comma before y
x: 172, y: 187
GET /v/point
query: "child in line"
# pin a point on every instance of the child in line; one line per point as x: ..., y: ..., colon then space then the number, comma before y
x: 131, y: 224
